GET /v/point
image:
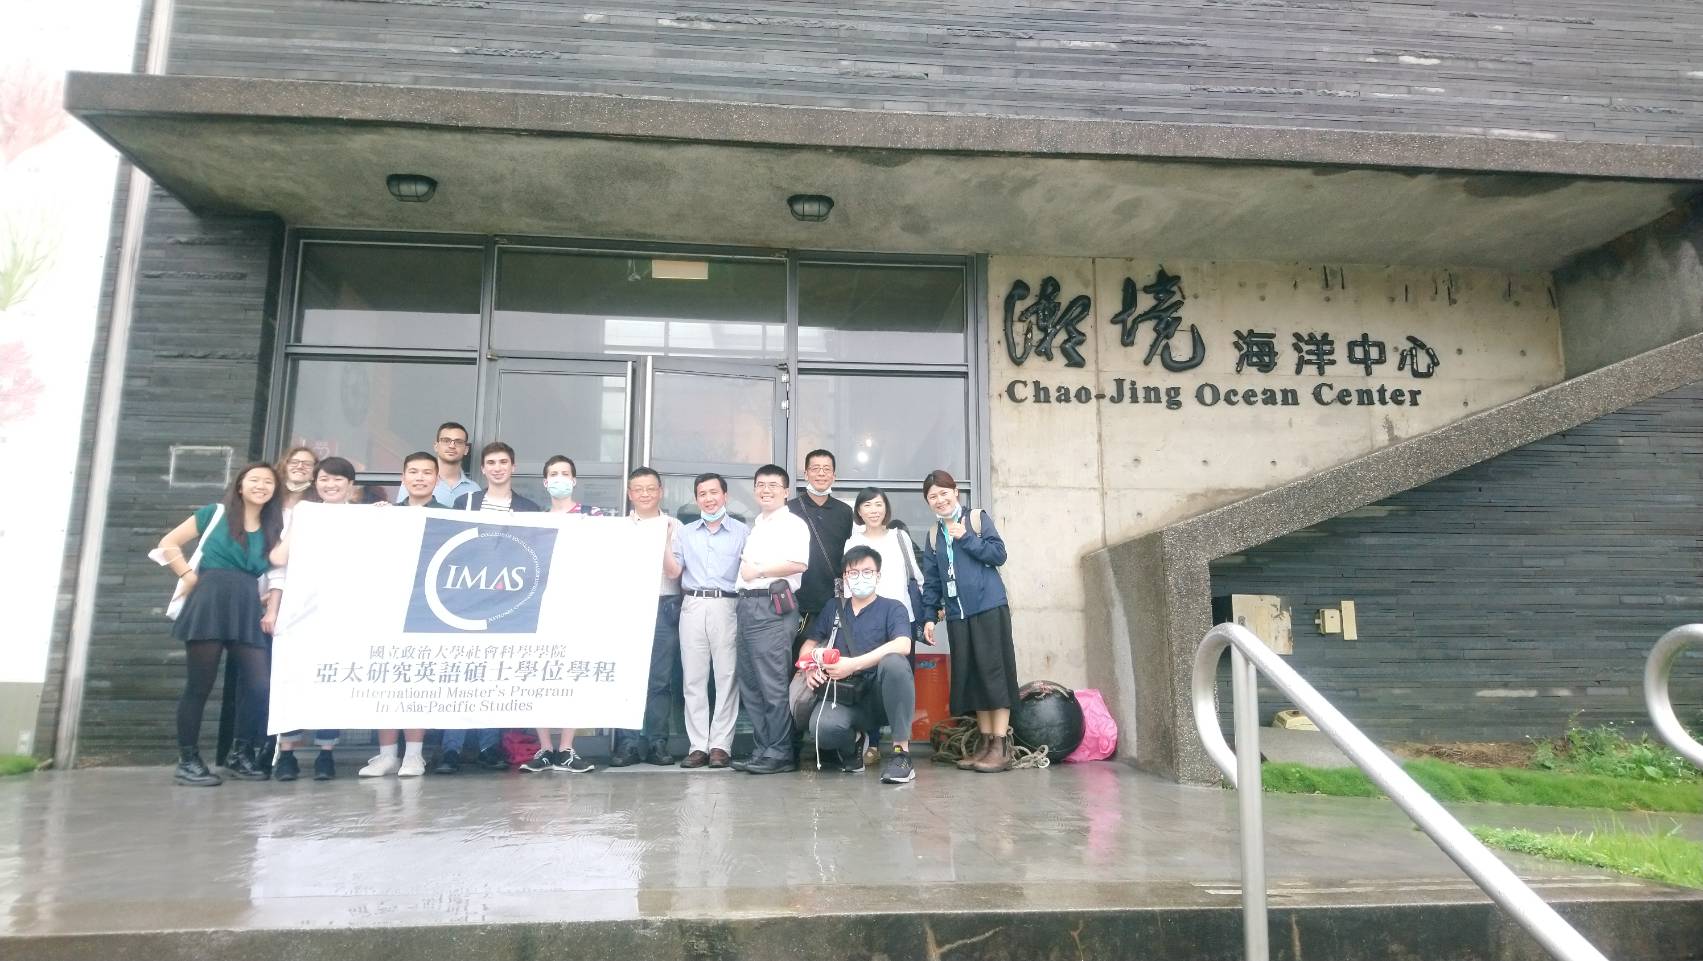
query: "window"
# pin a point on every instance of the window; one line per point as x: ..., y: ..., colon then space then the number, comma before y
x: 365, y: 295
x: 891, y: 428
x: 891, y: 314
x: 375, y: 412
x: 596, y: 304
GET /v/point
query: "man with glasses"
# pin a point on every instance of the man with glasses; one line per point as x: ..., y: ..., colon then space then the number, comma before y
x: 451, y: 451
x: 650, y: 745
x: 829, y: 521
x: 776, y: 554
x: 871, y: 684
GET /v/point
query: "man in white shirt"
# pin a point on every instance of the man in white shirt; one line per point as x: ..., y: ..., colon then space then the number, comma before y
x: 650, y: 745
x: 776, y: 553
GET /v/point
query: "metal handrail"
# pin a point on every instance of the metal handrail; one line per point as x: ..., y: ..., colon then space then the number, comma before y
x: 1658, y: 677
x: 1249, y: 657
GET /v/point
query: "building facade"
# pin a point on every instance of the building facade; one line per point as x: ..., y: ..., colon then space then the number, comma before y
x: 1118, y: 268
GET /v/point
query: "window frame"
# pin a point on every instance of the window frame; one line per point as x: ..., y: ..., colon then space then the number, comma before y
x: 286, y: 326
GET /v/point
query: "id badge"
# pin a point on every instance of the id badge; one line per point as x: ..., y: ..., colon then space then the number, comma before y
x: 951, y: 588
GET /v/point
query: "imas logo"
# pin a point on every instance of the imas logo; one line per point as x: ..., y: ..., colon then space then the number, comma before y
x: 487, y: 579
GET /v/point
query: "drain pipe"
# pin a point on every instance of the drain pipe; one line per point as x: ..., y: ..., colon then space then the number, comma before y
x: 106, y: 426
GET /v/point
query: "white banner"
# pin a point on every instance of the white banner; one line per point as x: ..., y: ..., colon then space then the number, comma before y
x: 399, y: 617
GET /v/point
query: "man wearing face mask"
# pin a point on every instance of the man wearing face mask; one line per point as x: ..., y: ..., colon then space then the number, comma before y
x: 871, y: 682
x: 830, y: 523
x: 708, y: 552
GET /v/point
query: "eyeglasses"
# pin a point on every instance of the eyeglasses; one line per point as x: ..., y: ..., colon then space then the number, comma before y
x: 820, y: 469
x: 451, y: 442
x: 769, y: 486
x: 300, y: 463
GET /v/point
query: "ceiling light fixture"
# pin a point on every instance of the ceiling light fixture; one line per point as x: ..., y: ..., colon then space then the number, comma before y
x: 411, y: 188
x: 811, y: 208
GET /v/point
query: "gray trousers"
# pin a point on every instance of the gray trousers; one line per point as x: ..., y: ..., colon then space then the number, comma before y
x: 892, y: 700
x: 763, y: 669
x: 709, y: 627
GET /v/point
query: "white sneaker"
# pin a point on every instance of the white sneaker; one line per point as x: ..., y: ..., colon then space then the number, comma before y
x: 381, y: 765
x: 412, y: 766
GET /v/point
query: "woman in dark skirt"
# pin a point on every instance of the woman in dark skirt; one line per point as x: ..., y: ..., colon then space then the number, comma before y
x: 961, y: 558
x: 223, y: 610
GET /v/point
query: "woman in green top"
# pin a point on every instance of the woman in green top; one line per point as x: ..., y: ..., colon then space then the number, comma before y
x: 223, y: 610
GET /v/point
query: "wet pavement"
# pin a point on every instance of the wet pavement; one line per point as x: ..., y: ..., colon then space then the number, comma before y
x: 122, y: 849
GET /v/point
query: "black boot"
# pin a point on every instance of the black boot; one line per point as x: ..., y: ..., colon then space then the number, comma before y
x: 287, y: 767
x: 241, y: 763
x: 324, y: 766
x: 191, y: 772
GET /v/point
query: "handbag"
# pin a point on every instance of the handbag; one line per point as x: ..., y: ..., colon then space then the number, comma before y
x: 781, y: 599
x: 174, y: 607
x: 848, y: 690
x: 919, y: 618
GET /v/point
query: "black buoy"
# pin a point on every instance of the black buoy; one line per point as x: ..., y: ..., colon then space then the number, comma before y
x: 1047, y: 713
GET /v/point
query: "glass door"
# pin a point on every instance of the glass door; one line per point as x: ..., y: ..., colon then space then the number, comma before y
x: 702, y: 417
x: 579, y: 408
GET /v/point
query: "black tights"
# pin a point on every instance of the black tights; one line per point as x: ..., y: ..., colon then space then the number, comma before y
x: 254, y: 666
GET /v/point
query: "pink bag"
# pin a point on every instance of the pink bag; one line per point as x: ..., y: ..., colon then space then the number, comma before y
x: 520, y: 746
x: 1099, y: 731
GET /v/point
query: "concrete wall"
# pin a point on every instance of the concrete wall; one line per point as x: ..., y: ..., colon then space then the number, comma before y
x: 1565, y: 69
x: 1637, y: 293
x: 1071, y: 477
x: 1500, y: 601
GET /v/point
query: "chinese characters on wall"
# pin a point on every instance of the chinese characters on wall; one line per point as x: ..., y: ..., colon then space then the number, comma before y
x: 1151, y: 321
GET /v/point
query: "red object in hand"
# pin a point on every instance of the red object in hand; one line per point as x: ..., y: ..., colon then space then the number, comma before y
x: 820, y: 657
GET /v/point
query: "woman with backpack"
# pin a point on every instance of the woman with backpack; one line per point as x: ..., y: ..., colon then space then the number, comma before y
x: 222, y: 611
x: 961, y: 560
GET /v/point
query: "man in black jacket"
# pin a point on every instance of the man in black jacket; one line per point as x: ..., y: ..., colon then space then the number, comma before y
x: 830, y: 523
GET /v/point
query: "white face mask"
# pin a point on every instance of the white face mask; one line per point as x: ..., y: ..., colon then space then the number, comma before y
x: 824, y: 492
x: 296, y: 488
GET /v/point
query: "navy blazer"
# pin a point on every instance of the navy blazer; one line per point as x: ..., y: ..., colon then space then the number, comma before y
x: 976, y: 559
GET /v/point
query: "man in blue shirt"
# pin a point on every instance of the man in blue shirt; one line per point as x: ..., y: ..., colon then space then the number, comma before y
x: 450, y: 450
x: 873, y: 636
x: 708, y: 552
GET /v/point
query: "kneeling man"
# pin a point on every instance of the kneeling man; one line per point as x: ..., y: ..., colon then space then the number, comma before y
x: 871, y: 683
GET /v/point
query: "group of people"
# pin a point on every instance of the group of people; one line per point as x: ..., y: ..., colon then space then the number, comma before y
x: 754, y: 608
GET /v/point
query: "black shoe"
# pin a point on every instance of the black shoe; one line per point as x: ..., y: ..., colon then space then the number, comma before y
x: 449, y: 762
x: 898, y: 769
x: 287, y: 768
x: 324, y: 766
x: 493, y: 759
x: 658, y: 754
x: 851, y: 760
x: 192, y: 771
x: 242, y: 765
x: 740, y: 763
x: 544, y: 760
x: 568, y: 761
x: 769, y: 765
x: 626, y: 755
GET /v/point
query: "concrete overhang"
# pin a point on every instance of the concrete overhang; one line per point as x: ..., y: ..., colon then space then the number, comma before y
x: 574, y: 165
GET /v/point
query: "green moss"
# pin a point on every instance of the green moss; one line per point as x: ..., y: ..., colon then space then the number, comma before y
x: 1664, y: 857
x: 17, y: 764
x: 1452, y: 782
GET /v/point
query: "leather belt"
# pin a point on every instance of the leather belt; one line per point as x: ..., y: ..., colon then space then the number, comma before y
x: 710, y: 593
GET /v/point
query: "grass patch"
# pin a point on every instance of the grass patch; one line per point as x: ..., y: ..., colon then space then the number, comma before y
x: 1665, y: 857
x: 1451, y: 782
x: 17, y: 764
x: 1606, y: 751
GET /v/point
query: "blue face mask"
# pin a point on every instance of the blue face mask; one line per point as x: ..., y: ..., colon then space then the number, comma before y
x: 862, y: 583
x: 560, y: 488
x: 716, y: 516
